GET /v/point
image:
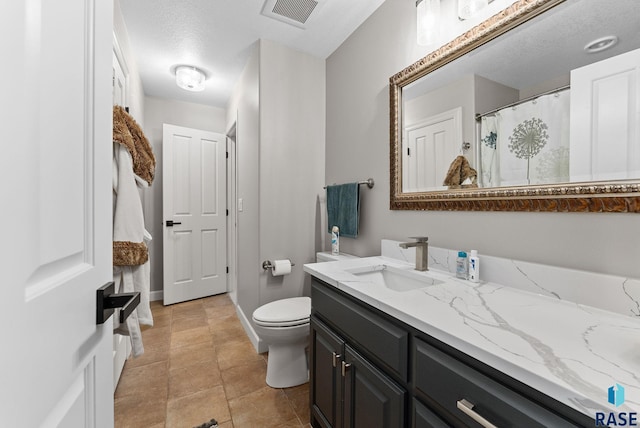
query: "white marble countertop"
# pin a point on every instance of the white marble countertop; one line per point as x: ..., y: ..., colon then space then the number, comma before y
x: 570, y: 352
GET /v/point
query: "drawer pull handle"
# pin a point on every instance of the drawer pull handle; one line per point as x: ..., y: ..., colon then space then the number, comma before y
x: 467, y: 408
x: 335, y: 359
x: 345, y: 367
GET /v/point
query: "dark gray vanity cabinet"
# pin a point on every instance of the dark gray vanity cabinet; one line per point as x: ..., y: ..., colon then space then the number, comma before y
x: 369, y: 370
x: 348, y: 387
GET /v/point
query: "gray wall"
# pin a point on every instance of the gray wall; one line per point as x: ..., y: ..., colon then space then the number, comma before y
x: 280, y: 106
x: 357, y: 147
x: 157, y: 112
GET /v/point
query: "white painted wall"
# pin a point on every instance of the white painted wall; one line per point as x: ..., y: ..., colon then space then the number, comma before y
x: 357, y: 132
x: 292, y: 117
x: 244, y: 108
x: 157, y: 112
x: 135, y: 91
x: 280, y: 108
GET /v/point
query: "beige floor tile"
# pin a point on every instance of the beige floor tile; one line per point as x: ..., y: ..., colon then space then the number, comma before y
x: 148, y: 380
x: 199, y: 364
x: 193, y: 378
x: 190, y: 337
x: 264, y: 408
x: 236, y: 353
x: 187, y: 355
x: 187, y: 323
x: 299, y: 399
x: 219, y: 300
x: 244, y: 379
x: 187, y: 309
x: 195, y: 409
x: 140, y: 411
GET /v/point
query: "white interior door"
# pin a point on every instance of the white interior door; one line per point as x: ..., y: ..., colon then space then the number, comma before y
x: 606, y: 95
x: 121, y: 344
x: 194, y: 200
x: 55, y: 250
x: 430, y: 146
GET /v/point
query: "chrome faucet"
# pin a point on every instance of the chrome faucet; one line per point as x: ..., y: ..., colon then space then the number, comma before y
x: 422, y: 251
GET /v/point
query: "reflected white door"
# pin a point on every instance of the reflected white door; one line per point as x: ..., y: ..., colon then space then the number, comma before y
x: 55, y: 251
x: 606, y: 95
x: 430, y: 147
x: 194, y: 200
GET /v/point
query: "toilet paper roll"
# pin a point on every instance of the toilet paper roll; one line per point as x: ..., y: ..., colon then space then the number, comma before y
x: 281, y: 267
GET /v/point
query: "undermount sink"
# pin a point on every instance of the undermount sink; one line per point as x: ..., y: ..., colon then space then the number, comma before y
x: 394, y: 278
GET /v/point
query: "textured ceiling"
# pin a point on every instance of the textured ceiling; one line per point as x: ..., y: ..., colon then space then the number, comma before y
x: 216, y: 36
x: 545, y: 48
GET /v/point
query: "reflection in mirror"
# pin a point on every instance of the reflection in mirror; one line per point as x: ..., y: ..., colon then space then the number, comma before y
x: 555, y: 100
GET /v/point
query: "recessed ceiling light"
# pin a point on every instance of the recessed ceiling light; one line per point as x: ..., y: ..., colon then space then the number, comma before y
x: 603, y: 43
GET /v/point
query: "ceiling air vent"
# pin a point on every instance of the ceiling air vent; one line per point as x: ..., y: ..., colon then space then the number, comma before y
x: 294, y: 12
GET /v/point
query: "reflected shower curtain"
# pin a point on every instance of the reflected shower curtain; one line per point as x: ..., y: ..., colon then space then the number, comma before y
x: 527, y: 143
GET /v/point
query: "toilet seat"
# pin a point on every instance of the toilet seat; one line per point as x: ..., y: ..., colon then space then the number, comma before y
x: 284, y: 313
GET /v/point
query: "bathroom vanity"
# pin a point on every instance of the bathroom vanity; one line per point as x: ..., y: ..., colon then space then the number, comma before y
x: 388, y: 352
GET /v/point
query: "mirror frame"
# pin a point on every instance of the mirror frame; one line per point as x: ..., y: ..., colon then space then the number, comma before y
x: 600, y: 196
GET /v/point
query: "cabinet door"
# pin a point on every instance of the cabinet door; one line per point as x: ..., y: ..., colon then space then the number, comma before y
x: 371, y: 399
x: 425, y: 418
x: 326, y: 353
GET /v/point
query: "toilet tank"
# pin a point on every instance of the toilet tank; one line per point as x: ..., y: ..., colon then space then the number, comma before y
x: 326, y: 256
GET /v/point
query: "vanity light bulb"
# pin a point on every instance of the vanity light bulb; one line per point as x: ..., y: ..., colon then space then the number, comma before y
x: 428, y: 28
x: 468, y: 8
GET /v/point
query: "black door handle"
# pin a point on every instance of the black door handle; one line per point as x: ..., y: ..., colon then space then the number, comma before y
x: 107, y: 301
x: 171, y: 222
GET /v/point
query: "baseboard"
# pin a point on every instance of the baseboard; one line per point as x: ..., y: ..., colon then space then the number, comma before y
x: 257, y: 343
x: 156, y: 295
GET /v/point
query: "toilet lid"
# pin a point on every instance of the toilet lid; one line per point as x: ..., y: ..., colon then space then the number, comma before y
x: 284, y: 311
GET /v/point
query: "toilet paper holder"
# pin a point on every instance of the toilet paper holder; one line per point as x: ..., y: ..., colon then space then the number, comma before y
x: 268, y: 265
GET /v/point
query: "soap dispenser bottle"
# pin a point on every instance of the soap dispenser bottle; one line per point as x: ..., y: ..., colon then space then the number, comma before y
x: 335, y: 240
x: 461, y: 265
x: 474, y: 267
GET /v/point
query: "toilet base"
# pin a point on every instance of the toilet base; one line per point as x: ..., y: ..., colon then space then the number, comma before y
x: 287, y: 365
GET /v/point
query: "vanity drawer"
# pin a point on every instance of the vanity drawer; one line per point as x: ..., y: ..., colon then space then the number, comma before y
x: 452, y: 387
x: 380, y: 340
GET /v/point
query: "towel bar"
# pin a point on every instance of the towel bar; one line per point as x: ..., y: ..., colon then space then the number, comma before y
x: 369, y: 182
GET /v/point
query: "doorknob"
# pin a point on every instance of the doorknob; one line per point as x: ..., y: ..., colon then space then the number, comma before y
x: 171, y: 222
x: 107, y: 301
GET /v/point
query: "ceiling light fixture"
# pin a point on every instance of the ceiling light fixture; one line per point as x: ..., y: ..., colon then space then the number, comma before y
x: 190, y: 78
x: 428, y: 28
x: 468, y: 8
x: 603, y: 43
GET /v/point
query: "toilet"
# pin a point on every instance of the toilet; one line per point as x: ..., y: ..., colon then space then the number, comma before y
x: 284, y: 326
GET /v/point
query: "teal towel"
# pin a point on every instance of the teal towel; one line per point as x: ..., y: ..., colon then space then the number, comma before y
x: 343, y: 208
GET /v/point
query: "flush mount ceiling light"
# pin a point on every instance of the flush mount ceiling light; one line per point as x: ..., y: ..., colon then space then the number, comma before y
x: 190, y: 78
x: 603, y: 43
x: 428, y: 28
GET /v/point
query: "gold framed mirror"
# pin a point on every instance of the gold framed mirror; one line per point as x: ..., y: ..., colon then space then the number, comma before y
x: 590, y: 181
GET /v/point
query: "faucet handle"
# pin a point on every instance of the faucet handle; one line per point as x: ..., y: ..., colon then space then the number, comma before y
x: 420, y: 238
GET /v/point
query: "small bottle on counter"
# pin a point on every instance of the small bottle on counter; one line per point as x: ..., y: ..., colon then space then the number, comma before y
x: 461, y: 265
x: 474, y: 267
x: 335, y: 240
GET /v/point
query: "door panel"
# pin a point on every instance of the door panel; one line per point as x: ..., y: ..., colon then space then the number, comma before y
x: 371, y: 399
x: 194, y: 198
x: 57, y: 172
x: 430, y: 146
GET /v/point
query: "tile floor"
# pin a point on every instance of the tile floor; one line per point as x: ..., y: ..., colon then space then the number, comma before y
x: 199, y: 364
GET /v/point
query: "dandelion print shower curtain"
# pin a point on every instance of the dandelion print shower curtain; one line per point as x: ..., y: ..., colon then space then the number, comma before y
x: 527, y: 143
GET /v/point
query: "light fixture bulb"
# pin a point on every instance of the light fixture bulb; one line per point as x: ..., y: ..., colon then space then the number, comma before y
x: 427, y: 28
x: 190, y: 78
x: 468, y: 8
